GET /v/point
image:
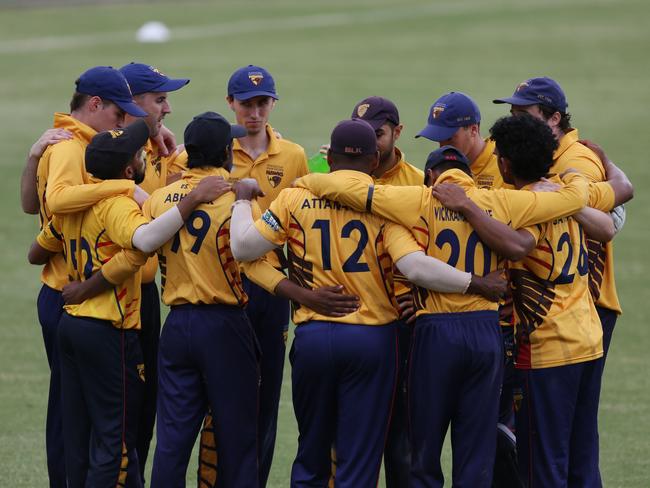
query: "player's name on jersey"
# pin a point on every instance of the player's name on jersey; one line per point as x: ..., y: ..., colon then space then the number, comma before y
x: 560, y: 221
x: 177, y: 197
x: 444, y: 214
x: 322, y: 203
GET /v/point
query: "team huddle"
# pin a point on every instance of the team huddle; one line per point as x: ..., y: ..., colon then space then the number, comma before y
x: 476, y: 295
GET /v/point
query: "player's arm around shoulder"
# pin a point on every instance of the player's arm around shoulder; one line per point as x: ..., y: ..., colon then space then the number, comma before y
x: 47, y: 243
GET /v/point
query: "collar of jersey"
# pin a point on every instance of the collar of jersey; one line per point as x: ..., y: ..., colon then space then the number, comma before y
x: 273, y: 148
x: 78, y: 129
x: 483, y: 159
x: 552, y: 177
x: 569, y: 139
x: 457, y: 177
x: 395, y: 169
x: 202, y: 172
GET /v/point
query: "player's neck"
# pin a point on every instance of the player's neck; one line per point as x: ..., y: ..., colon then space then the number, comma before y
x: 350, y: 167
x: 82, y: 117
x: 255, y: 144
x: 387, y: 165
x: 476, y: 150
x: 519, y: 183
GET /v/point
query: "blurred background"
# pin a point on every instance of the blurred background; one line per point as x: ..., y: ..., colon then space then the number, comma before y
x: 325, y: 56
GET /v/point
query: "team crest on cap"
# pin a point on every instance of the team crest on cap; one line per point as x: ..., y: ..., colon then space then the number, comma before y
x: 157, y: 71
x: 362, y: 109
x: 116, y: 133
x: 274, y: 174
x: 522, y: 85
x: 256, y: 77
x: 437, y: 110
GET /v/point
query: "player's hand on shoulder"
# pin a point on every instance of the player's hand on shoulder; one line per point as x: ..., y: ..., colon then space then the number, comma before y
x: 595, y: 148
x: 49, y: 137
x: 247, y: 189
x: 406, y: 305
x: 140, y: 196
x: 324, y: 148
x: 545, y: 185
x: 450, y: 195
x: 331, y: 301
x: 211, y: 187
x: 491, y: 286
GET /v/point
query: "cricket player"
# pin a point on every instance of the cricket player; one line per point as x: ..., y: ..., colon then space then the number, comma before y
x: 559, y: 337
x: 544, y: 98
x: 101, y: 98
x: 393, y: 169
x: 452, y: 328
x: 101, y: 362
x: 151, y: 88
x: 275, y: 163
x: 343, y: 369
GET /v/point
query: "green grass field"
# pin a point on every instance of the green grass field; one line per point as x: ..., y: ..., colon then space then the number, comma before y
x: 325, y: 56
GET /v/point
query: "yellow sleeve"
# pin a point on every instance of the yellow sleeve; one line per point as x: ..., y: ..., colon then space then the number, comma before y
x: 123, y: 265
x: 50, y: 236
x: 601, y: 196
x: 263, y: 274
x: 67, y: 191
x: 356, y: 192
x: 177, y: 162
x: 146, y: 209
x: 399, y: 241
x: 121, y: 217
x: 586, y: 163
x: 273, y: 223
x: 529, y: 208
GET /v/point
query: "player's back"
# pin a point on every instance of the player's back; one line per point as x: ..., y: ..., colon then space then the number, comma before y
x: 197, y: 265
x: 555, y: 316
x: 329, y: 244
x: 92, y: 238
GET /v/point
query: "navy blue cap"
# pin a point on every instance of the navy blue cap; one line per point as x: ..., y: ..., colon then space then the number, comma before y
x: 443, y: 155
x: 376, y: 111
x: 107, y: 82
x: 207, y: 135
x: 354, y: 137
x: 251, y: 81
x: 144, y: 79
x: 538, y: 91
x: 448, y: 114
x: 115, y: 147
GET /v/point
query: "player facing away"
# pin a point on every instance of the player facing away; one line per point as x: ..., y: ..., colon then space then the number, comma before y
x: 151, y: 88
x: 102, y: 374
x: 101, y: 98
x: 455, y: 334
x: 343, y: 369
x: 559, y: 338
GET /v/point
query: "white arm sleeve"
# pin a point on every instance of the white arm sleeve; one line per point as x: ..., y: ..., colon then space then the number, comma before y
x: 246, y: 242
x: 149, y: 237
x: 433, y: 274
x: 618, y: 216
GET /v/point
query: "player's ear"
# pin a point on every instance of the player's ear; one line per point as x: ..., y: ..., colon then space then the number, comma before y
x: 94, y: 103
x: 229, y: 101
x: 397, y: 131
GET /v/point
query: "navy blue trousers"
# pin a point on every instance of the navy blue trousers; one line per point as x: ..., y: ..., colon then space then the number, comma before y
x: 50, y: 308
x: 149, y: 337
x: 608, y: 321
x: 269, y: 316
x: 207, y: 355
x: 343, y: 379
x: 397, y: 455
x: 102, y: 392
x: 455, y: 378
x: 557, y: 425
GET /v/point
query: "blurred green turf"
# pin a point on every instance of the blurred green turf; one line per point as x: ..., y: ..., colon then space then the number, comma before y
x: 325, y: 56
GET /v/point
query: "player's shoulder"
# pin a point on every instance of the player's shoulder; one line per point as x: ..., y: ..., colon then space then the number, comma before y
x: 291, y: 149
x: 65, y: 149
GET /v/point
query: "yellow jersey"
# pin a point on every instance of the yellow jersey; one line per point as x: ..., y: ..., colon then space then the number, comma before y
x: 443, y: 233
x: 485, y: 169
x: 89, y: 240
x: 602, y: 283
x: 274, y: 169
x: 556, y: 321
x: 60, y: 168
x: 329, y: 244
x: 197, y: 266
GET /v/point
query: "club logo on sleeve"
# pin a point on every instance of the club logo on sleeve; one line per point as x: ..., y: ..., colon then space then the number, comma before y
x: 437, y: 110
x: 274, y: 174
x: 362, y: 109
x: 269, y: 219
x: 256, y: 77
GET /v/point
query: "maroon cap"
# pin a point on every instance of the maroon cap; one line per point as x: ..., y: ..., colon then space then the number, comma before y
x: 376, y: 111
x: 353, y: 137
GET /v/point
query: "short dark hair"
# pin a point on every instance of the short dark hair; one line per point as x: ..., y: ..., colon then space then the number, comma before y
x: 217, y: 160
x: 527, y: 142
x: 80, y: 99
x: 565, y: 118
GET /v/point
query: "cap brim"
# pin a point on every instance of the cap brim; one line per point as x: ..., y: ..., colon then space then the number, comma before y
x: 173, y: 85
x: 516, y: 101
x: 251, y: 94
x: 238, y: 131
x: 130, y: 108
x: 437, y: 133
